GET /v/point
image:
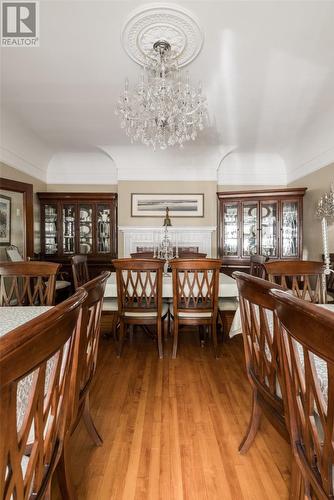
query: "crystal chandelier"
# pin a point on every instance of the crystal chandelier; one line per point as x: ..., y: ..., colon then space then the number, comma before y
x: 164, y: 109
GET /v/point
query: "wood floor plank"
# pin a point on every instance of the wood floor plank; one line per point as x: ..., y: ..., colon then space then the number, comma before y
x: 171, y: 428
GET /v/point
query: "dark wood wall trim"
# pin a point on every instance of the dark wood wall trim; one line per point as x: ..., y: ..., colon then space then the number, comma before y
x: 28, y: 210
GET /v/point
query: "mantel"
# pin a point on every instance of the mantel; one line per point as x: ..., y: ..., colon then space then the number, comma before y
x: 190, y: 236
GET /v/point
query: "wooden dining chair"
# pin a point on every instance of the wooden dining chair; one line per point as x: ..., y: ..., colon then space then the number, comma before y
x: 304, y: 278
x: 87, y: 348
x: 260, y: 339
x: 256, y: 266
x: 79, y: 270
x: 306, y: 333
x: 62, y: 284
x: 37, y: 362
x: 195, y: 296
x: 139, y: 294
x: 80, y: 273
x: 28, y: 283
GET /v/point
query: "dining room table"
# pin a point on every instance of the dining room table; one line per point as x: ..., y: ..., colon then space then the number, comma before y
x: 11, y: 318
x: 14, y: 316
x: 227, y: 286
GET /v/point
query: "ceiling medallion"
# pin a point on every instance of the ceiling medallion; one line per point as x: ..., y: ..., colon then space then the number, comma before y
x: 166, y: 22
x: 164, y: 109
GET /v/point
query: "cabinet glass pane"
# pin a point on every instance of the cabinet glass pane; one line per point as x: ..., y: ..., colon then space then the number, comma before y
x: 86, y: 228
x: 50, y: 228
x: 103, y: 228
x: 68, y: 228
x: 290, y: 228
x: 269, y: 229
x: 231, y: 229
x: 250, y: 225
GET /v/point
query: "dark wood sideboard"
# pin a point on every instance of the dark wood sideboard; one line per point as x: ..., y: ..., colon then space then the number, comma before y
x: 262, y: 222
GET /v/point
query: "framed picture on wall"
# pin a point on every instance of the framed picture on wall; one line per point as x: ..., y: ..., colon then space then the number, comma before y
x: 5, y: 220
x: 179, y: 205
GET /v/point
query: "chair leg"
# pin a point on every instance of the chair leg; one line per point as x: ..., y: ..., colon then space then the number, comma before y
x: 168, y: 325
x: 63, y: 473
x: 131, y: 333
x: 121, y: 338
x: 253, y: 425
x: 214, y: 338
x: 159, y: 336
x: 175, y: 335
x: 87, y: 418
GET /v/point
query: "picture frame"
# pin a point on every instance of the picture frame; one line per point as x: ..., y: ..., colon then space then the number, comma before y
x: 179, y: 204
x: 5, y: 220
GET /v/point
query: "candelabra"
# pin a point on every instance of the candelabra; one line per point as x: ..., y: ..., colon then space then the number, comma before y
x: 325, y: 211
x: 165, y: 248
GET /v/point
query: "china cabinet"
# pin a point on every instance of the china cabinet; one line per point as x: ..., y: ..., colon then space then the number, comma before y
x: 265, y: 222
x: 79, y: 223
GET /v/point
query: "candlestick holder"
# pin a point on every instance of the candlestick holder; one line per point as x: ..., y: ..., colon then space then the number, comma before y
x: 325, y: 212
x: 165, y: 248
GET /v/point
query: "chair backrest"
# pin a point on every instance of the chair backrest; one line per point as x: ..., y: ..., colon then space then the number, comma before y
x: 196, y: 284
x: 260, y: 338
x: 183, y: 252
x: 79, y: 270
x: 256, y: 266
x: 36, y: 363
x: 191, y: 255
x: 139, y: 285
x: 89, y: 339
x: 304, y: 278
x: 307, y: 354
x: 28, y: 283
x: 142, y: 255
x: 13, y: 254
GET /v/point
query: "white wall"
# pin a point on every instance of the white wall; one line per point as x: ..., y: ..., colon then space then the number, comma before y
x: 252, y: 169
x: 87, y: 168
x: 21, y: 148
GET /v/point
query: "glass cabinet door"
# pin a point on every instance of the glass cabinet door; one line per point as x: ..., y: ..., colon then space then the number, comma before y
x: 68, y: 229
x: 103, y: 228
x: 269, y: 212
x: 249, y: 228
x: 86, y: 228
x: 50, y: 229
x: 290, y: 229
x: 231, y: 230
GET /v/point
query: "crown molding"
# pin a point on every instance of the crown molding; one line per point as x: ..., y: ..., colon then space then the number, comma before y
x: 15, y: 161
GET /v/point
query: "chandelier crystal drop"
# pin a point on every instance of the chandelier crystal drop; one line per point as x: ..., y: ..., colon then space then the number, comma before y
x: 164, y: 109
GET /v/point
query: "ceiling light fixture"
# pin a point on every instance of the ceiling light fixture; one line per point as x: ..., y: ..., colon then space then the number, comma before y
x: 164, y: 109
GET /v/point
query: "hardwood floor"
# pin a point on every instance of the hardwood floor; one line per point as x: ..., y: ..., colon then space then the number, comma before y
x: 171, y: 428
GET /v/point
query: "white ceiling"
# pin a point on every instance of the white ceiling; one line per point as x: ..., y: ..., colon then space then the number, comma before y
x: 267, y: 69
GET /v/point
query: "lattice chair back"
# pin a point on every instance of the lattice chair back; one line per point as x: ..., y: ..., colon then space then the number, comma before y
x: 307, y: 354
x: 260, y: 338
x: 305, y: 279
x: 139, y: 285
x: 28, y: 283
x: 196, y: 285
x: 256, y: 265
x: 89, y: 337
x: 36, y: 363
x: 79, y: 270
